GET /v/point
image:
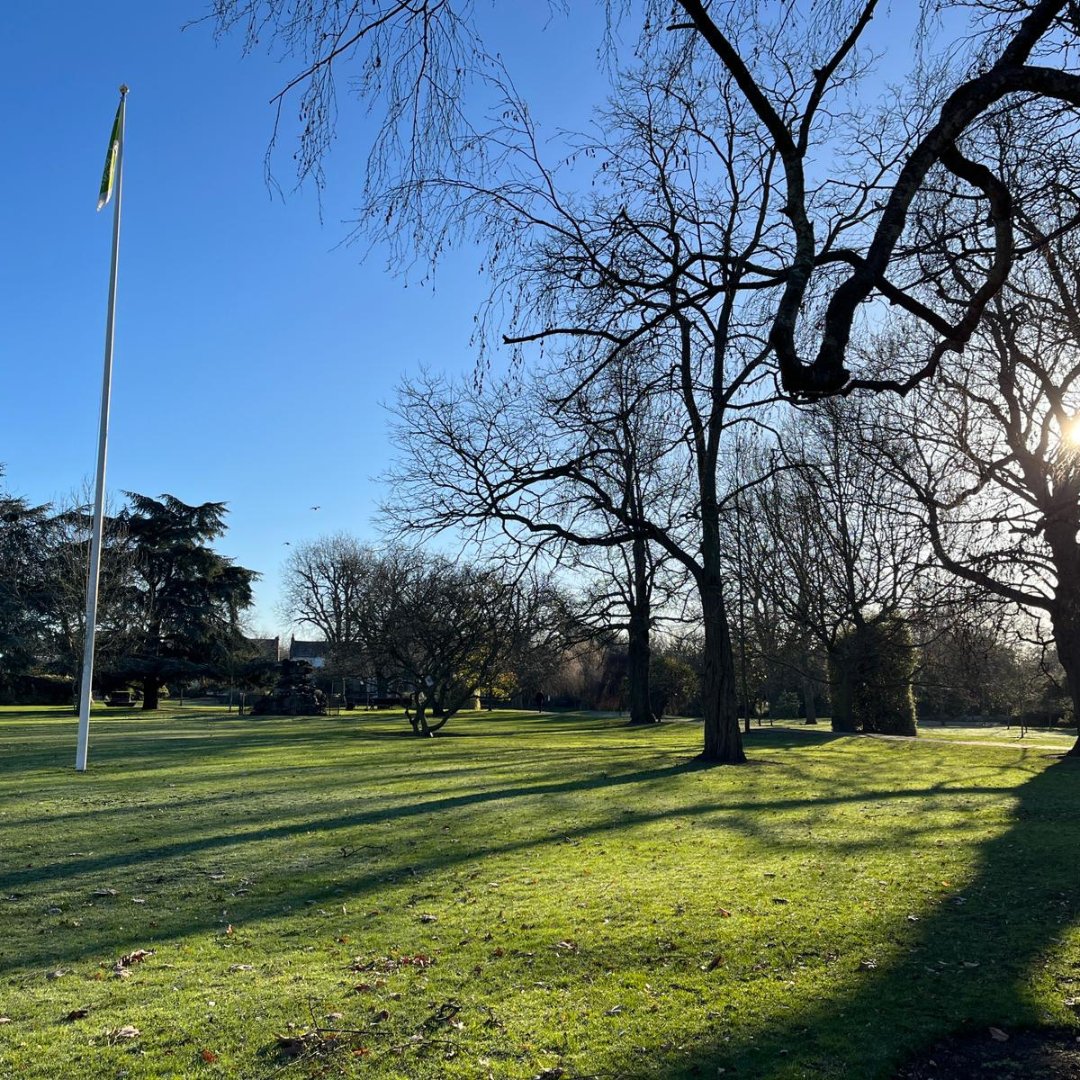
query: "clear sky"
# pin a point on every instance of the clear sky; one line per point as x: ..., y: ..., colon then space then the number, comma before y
x: 253, y: 349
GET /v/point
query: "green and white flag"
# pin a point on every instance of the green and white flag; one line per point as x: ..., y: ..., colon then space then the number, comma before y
x: 108, y: 177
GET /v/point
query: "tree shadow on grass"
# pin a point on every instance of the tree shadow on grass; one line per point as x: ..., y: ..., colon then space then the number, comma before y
x: 182, y: 855
x: 968, y: 964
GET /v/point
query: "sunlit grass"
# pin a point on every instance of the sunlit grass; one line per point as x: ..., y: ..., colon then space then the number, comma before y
x: 580, y: 895
x: 957, y: 731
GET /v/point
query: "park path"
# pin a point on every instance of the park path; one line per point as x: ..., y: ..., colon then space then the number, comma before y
x: 1016, y: 744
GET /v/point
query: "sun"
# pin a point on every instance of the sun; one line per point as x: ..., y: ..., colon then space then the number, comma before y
x: 1070, y: 432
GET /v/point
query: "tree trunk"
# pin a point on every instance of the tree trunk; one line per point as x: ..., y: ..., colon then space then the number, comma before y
x: 1066, y: 623
x: 723, y: 741
x: 151, y: 687
x: 638, y: 649
x: 808, y: 689
x: 840, y: 691
x: 419, y: 720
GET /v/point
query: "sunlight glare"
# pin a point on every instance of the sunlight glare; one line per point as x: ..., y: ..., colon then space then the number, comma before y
x: 1070, y: 434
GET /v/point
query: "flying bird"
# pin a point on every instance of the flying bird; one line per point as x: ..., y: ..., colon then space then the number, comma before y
x: 316, y: 508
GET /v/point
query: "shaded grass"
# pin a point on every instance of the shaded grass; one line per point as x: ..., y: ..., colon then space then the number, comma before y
x: 589, y: 898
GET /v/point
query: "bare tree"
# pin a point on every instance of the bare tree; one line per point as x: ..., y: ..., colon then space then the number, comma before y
x: 848, y: 238
x: 993, y: 454
x: 517, y: 467
x: 449, y: 629
x: 832, y: 542
x: 326, y: 586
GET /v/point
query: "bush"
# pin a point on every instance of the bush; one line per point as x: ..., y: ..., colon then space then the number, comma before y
x: 36, y: 690
x: 672, y: 684
x: 870, y: 670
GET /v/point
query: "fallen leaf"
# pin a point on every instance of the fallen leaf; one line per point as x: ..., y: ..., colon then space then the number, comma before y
x: 334, y: 1016
x: 428, y: 918
x: 208, y: 1056
x: 229, y: 930
x: 240, y: 967
x: 780, y: 900
x: 138, y: 900
x: 714, y: 963
x: 59, y: 973
x: 723, y: 913
x: 614, y: 1010
x: 76, y: 1014
x: 128, y: 1031
x: 136, y: 957
x: 867, y: 965
x: 5, y: 1019
x: 362, y: 988
x: 567, y: 946
x: 104, y: 892
x: 294, y: 1045
x: 998, y: 1035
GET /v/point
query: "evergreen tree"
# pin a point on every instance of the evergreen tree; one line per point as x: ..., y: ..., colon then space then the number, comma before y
x: 186, y: 598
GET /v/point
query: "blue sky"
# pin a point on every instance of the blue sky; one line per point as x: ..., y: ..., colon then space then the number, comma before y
x: 253, y: 349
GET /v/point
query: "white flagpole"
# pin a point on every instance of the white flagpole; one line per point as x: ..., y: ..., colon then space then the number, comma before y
x: 99, y: 487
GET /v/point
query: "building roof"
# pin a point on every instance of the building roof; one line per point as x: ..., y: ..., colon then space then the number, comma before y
x: 308, y: 650
x: 269, y: 648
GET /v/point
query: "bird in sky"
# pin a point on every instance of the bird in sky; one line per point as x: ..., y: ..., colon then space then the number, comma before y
x: 316, y: 508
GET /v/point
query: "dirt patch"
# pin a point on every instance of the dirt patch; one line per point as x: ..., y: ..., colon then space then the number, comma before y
x: 1017, y: 1055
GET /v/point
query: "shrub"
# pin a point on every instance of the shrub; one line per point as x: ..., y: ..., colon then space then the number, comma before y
x: 871, y: 669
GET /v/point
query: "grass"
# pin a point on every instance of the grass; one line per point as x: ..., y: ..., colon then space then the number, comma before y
x: 525, y: 895
x: 962, y: 732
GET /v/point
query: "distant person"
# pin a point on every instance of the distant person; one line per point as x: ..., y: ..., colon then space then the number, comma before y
x: 539, y: 700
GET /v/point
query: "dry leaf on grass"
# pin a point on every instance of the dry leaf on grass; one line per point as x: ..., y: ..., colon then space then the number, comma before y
x: 76, y: 1014
x: 135, y: 957
x: 128, y: 1031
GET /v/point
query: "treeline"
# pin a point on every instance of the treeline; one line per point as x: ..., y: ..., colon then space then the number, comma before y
x: 169, y: 607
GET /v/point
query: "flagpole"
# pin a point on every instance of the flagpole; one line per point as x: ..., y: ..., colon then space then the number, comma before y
x: 103, y: 440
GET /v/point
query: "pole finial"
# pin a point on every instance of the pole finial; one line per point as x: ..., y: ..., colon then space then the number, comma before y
x: 123, y: 89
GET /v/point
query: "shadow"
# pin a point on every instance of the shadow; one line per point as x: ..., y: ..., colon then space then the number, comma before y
x: 968, y: 963
x: 1007, y: 918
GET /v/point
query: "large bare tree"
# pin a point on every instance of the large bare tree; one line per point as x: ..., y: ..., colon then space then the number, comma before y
x: 851, y: 181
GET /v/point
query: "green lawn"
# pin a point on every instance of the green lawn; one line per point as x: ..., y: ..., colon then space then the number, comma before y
x: 955, y: 731
x: 522, y: 896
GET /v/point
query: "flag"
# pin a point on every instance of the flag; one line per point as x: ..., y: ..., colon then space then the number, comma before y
x: 108, y: 177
